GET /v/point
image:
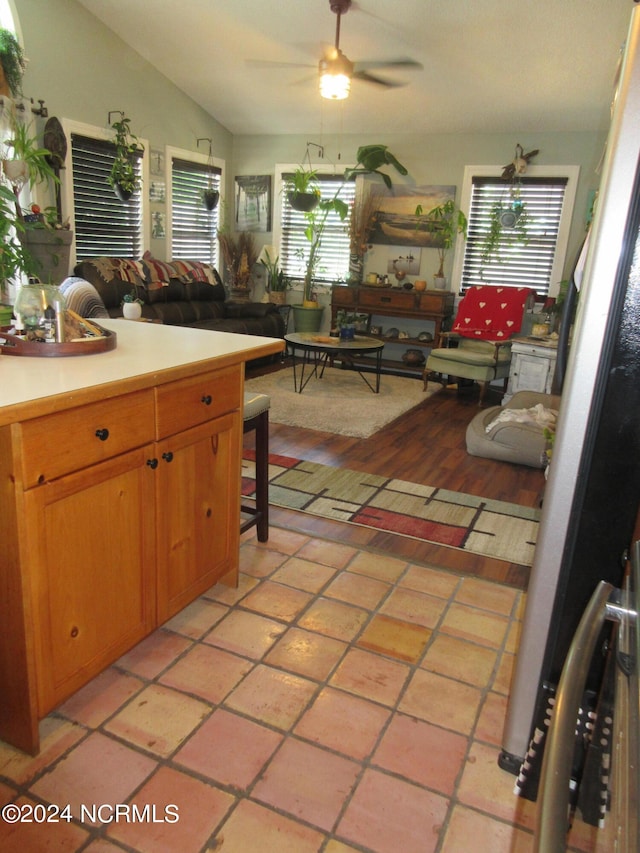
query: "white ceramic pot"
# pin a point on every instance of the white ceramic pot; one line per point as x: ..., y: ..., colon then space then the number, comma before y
x: 131, y: 310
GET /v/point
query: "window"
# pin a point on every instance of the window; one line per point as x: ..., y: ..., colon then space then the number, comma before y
x: 103, y: 224
x: 334, y: 251
x: 194, y: 229
x: 548, y: 194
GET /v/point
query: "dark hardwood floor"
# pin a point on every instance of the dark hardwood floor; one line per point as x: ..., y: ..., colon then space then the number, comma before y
x: 427, y: 445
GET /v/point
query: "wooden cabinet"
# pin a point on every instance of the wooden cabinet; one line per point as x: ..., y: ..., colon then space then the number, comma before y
x: 533, y: 363
x: 90, y: 555
x: 197, y: 536
x: 433, y: 306
x: 114, y: 515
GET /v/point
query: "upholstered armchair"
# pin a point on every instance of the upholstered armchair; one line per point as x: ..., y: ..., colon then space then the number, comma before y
x: 479, y: 345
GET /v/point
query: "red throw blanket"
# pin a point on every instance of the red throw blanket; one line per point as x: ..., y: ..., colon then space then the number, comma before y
x: 491, y: 313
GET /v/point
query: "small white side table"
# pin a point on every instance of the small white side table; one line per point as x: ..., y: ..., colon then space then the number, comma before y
x: 533, y: 363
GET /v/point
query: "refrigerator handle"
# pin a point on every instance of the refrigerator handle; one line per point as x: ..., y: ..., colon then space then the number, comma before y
x: 555, y: 777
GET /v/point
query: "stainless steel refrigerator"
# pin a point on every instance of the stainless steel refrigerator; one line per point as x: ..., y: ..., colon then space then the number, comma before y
x: 592, y: 494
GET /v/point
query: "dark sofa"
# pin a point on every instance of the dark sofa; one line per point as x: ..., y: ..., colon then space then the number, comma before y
x: 180, y: 293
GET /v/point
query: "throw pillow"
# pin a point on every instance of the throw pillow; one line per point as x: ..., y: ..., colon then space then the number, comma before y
x: 194, y: 271
x: 158, y: 271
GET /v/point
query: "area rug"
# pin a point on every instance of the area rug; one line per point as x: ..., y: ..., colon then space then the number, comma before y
x: 340, y: 402
x: 492, y: 528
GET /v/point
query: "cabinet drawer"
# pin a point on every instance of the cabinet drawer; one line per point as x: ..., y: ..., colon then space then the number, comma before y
x: 436, y: 303
x: 189, y: 402
x: 386, y: 299
x: 345, y: 297
x: 68, y: 441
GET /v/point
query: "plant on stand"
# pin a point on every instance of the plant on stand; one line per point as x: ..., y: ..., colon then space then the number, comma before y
x: 444, y: 222
x: 44, y: 236
x: 123, y: 177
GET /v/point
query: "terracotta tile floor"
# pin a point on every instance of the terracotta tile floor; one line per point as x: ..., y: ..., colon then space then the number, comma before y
x: 339, y: 700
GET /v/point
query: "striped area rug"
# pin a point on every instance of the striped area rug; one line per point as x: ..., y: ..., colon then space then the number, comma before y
x: 492, y: 528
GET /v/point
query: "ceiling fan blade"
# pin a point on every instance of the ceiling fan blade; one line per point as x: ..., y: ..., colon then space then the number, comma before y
x: 390, y: 63
x: 267, y: 63
x: 371, y: 78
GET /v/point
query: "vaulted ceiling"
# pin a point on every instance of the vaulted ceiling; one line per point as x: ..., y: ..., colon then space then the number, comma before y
x: 488, y: 65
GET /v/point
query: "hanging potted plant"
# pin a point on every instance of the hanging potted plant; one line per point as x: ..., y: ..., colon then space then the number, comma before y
x: 210, y: 195
x: 12, y: 64
x: 444, y: 222
x: 123, y: 177
x: 370, y: 160
x: 508, y: 220
x: 303, y: 193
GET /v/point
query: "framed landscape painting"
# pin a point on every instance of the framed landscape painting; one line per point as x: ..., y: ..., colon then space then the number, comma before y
x: 396, y: 223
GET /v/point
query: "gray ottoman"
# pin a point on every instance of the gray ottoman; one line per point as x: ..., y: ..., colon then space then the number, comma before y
x: 511, y: 441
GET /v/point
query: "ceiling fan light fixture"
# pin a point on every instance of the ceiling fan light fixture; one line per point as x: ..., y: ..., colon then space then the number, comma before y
x: 335, y: 77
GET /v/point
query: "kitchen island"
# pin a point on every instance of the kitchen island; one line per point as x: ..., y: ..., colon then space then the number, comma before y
x: 119, y: 502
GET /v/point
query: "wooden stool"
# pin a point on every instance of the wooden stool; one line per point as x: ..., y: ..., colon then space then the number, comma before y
x: 256, y: 417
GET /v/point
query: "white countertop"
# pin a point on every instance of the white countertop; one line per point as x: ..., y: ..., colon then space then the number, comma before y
x: 143, y: 350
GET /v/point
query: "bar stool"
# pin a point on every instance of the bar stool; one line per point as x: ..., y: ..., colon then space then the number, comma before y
x: 256, y: 417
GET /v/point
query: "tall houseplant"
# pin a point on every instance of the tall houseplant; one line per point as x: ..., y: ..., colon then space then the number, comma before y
x: 123, y: 177
x: 370, y: 160
x: 445, y: 221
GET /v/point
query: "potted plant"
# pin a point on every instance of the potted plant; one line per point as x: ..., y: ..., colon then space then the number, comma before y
x: 370, y: 160
x: 302, y: 189
x: 12, y: 64
x: 132, y: 305
x: 123, y: 177
x: 45, y: 238
x: 277, y: 281
x: 445, y: 222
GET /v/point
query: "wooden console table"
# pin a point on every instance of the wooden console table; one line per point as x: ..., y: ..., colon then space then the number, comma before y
x: 435, y: 306
x: 119, y: 502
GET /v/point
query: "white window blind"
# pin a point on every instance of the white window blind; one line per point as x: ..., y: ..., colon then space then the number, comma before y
x: 515, y: 263
x: 103, y: 224
x: 334, y: 249
x: 194, y: 228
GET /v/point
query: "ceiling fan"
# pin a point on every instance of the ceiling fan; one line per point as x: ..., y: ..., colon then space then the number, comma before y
x: 336, y: 71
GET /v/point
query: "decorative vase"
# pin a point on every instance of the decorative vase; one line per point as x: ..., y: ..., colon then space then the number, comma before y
x: 420, y: 284
x: 356, y: 269
x: 307, y: 319
x: 439, y: 282
x: 131, y: 310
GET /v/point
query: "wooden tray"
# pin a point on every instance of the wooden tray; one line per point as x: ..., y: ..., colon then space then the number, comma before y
x: 12, y: 345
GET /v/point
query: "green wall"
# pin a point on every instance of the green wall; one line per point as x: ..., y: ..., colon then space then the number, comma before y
x: 83, y: 70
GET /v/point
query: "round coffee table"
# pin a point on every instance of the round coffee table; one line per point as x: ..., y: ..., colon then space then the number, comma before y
x: 317, y: 350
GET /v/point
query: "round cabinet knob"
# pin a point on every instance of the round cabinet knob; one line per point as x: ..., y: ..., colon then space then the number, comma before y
x: 74, y: 632
x: 102, y: 434
x: 168, y: 456
x: 206, y: 399
x: 152, y: 463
